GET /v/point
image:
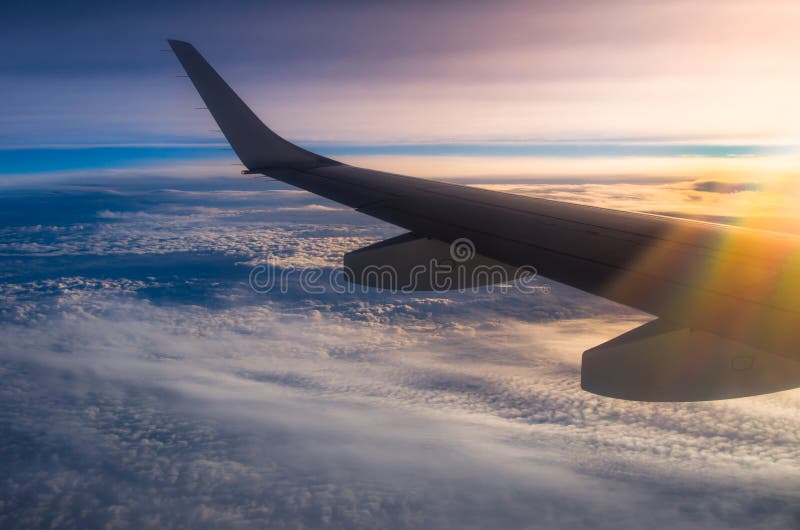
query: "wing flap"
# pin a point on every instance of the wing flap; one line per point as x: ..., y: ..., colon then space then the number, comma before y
x: 410, y: 263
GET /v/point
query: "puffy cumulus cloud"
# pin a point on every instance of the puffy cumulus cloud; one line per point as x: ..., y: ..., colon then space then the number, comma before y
x: 145, y: 388
x: 246, y: 223
x: 297, y: 413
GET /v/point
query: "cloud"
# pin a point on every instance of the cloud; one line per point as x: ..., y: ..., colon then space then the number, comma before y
x: 282, y: 415
x: 143, y: 384
x: 713, y: 186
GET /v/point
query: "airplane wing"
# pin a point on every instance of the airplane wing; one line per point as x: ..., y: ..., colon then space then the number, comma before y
x: 727, y: 298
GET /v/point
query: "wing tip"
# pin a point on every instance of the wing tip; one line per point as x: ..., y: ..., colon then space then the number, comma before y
x: 256, y: 145
x: 177, y: 43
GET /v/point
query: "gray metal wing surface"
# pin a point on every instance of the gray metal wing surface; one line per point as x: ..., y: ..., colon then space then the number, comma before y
x: 727, y: 298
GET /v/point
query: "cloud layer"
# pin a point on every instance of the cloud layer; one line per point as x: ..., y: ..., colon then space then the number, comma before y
x: 145, y: 385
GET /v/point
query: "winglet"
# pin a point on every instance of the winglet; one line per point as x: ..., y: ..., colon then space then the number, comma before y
x: 256, y: 145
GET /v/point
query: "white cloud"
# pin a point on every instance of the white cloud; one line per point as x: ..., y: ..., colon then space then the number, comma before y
x: 161, y: 397
x: 426, y: 406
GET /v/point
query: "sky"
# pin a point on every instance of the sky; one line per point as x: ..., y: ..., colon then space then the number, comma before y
x: 517, y: 80
x: 144, y: 384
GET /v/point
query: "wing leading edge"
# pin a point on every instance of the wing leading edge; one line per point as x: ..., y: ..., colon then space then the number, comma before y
x: 736, y: 285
